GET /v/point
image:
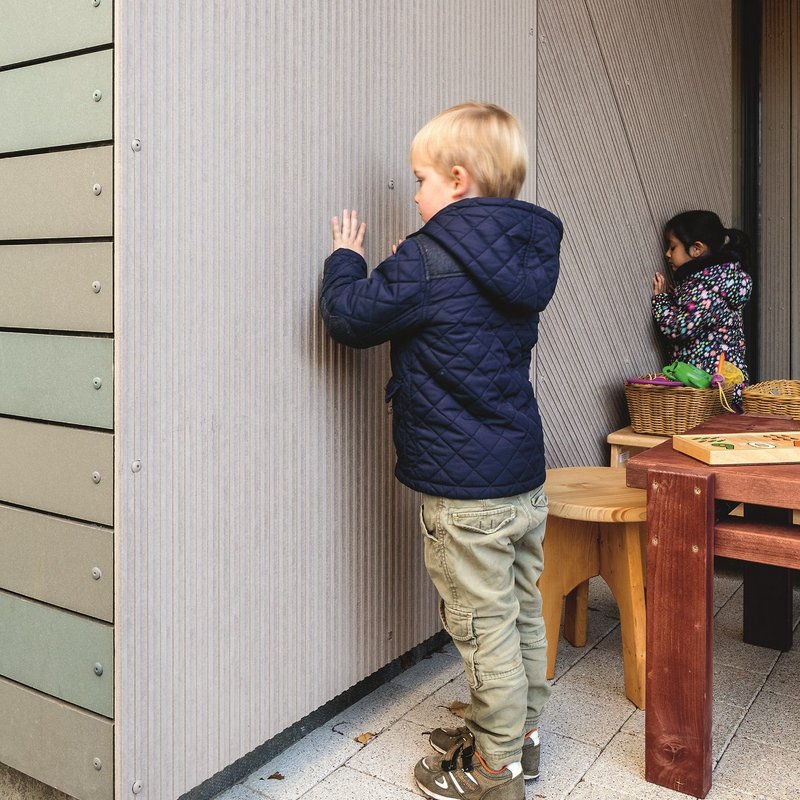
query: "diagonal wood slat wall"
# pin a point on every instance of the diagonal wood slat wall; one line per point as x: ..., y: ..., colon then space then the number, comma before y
x: 627, y: 137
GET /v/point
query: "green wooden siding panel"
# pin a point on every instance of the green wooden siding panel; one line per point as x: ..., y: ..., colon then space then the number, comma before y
x: 52, y: 286
x: 39, y: 28
x: 34, y: 548
x: 52, y: 468
x: 54, y: 103
x: 56, y: 743
x: 58, y: 653
x: 52, y: 195
x: 55, y: 378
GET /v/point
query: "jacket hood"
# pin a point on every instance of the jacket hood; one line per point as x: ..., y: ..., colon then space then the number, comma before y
x: 509, y: 247
x: 730, y: 272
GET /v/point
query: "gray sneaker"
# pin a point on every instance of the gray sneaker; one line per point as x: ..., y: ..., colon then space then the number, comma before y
x: 461, y: 775
x: 442, y: 739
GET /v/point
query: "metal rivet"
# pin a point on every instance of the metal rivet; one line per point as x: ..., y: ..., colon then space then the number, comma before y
x: 97, y: 188
x: 97, y: 573
x: 697, y: 490
x: 137, y: 787
x: 95, y: 3
x: 136, y: 466
x: 97, y: 95
x: 654, y: 540
x: 98, y: 764
x: 96, y: 287
x: 136, y: 145
x: 391, y: 184
x: 695, y: 548
x: 98, y: 669
x: 96, y: 477
x: 97, y: 382
x: 655, y: 484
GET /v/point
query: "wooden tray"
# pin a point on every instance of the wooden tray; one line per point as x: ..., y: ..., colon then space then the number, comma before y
x: 775, y: 447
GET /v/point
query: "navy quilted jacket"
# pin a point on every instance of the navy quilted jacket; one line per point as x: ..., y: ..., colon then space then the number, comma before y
x: 460, y: 303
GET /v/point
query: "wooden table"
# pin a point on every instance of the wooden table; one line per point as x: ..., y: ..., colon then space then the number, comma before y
x: 682, y: 541
x: 626, y: 443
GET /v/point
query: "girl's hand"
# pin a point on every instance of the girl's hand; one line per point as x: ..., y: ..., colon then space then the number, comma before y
x: 395, y: 246
x: 659, y: 283
x: 349, y: 234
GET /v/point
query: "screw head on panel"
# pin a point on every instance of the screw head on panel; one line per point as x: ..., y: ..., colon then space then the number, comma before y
x: 136, y: 466
x: 97, y: 573
x: 136, y: 145
x: 95, y: 3
x: 391, y: 184
x: 98, y: 764
x: 97, y: 95
x: 96, y: 287
x: 96, y: 477
x: 97, y: 188
x: 97, y: 383
x: 137, y: 787
x: 98, y: 669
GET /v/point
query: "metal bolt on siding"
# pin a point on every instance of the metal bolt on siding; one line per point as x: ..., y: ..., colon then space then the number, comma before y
x: 96, y: 287
x: 137, y: 787
x: 97, y: 573
x: 97, y: 188
x: 98, y: 669
x: 97, y: 382
x: 136, y: 145
x: 136, y: 466
x: 96, y: 477
x: 97, y: 95
x: 98, y: 764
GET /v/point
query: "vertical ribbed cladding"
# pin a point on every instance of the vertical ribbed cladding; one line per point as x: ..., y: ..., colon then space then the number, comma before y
x: 778, y: 217
x: 612, y: 170
x: 265, y: 548
x: 794, y: 287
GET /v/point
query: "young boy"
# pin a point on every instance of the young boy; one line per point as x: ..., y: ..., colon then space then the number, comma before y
x: 459, y: 300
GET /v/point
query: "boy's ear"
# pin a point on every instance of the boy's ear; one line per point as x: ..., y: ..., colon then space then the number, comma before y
x: 462, y: 182
x: 697, y: 249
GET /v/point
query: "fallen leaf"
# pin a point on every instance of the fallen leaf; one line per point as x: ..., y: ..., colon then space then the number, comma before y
x: 366, y: 737
x: 276, y: 776
x: 458, y: 708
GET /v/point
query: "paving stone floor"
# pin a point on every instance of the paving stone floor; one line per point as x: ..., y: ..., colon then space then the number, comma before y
x: 592, y: 736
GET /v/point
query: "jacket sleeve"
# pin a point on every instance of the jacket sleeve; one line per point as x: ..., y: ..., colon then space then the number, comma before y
x: 684, y: 316
x: 703, y: 306
x: 362, y: 311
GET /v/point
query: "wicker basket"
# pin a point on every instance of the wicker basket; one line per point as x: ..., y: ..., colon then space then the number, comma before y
x: 666, y: 410
x: 781, y: 398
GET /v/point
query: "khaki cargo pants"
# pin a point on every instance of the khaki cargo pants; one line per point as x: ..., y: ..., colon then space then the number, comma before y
x: 485, y: 558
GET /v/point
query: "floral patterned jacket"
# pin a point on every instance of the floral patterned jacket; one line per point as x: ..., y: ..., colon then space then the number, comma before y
x: 702, y: 315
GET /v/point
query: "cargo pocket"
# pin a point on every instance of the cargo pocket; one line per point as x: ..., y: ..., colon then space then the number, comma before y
x: 490, y: 520
x: 457, y: 621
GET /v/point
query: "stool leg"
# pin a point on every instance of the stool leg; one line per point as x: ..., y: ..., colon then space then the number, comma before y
x: 622, y: 567
x: 576, y: 615
x: 571, y: 557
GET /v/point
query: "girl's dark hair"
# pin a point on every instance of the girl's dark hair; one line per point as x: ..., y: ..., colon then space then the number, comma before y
x: 729, y: 244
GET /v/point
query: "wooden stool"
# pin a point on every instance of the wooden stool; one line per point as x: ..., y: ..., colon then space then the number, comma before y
x: 593, y: 528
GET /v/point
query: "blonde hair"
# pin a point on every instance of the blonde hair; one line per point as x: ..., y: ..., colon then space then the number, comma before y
x: 481, y: 137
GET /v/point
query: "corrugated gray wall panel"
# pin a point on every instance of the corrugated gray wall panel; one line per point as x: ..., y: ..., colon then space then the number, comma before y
x: 794, y: 330
x: 614, y: 169
x: 778, y: 216
x: 267, y: 558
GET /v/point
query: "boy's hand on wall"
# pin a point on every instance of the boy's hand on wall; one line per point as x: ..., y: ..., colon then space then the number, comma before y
x: 659, y: 283
x: 349, y: 234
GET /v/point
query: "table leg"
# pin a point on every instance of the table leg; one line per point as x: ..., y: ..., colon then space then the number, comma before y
x: 680, y: 613
x: 768, y: 591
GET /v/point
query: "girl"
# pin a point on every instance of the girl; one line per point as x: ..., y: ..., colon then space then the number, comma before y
x: 702, y: 313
